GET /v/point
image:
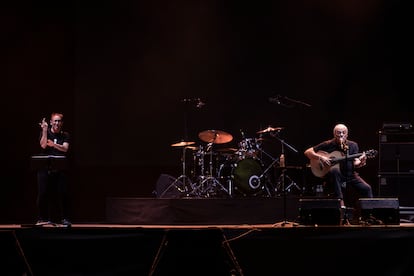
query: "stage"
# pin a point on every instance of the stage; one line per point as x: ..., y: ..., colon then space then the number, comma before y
x: 283, y: 249
x: 210, y: 237
x: 179, y: 211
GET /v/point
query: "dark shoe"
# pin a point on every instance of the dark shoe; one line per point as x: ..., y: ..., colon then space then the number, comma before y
x: 66, y: 223
x: 42, y: 222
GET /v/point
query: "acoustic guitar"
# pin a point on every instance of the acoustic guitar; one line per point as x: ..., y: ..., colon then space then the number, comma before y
x: 320, y: 170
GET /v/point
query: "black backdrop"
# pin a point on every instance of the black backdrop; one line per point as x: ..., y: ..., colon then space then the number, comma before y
x: 120, y: 71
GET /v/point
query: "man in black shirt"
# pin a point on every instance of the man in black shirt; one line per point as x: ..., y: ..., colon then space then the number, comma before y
x: 52, y: 181
x: 344, y: 172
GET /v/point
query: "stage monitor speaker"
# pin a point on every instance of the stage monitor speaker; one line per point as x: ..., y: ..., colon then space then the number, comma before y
x: 380, y: 210
x: 165, y: 187
x: 321, y: 211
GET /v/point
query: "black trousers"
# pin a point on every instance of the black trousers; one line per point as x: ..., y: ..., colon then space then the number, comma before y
x: 52, y: 197
x: 340, y: 183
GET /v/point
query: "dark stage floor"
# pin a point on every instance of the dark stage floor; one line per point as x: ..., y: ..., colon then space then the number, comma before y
x: 273, y: 249
x: 216, y: 237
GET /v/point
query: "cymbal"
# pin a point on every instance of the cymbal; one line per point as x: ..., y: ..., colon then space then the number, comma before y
x: 269, y: 129
x: 182, y: 144
x: 215, y: 136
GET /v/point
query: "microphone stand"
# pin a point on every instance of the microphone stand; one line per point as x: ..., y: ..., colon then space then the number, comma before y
x: 262, y: 176
x: 286, y: 101
x: 285, y: 221
x: 345, y: 149
x: 296, y: 101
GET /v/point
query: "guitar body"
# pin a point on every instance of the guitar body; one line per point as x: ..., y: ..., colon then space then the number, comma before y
x: 320, y: 170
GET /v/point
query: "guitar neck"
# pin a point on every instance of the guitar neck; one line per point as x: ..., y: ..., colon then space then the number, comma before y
x: 353, y: 155
x: 320, y: 170
x: 348, y: 156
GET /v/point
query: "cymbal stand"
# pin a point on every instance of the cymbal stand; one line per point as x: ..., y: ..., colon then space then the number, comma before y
x: 198, y: 175
x: 183, y: 182
x: 210, y: 185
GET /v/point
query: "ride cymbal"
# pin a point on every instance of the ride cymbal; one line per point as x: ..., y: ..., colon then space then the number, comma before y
x: 182, y: 144
x: 215, y: 136
x: 270, y: 129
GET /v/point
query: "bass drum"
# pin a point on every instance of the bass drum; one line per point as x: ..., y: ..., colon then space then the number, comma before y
x: 244, y: 174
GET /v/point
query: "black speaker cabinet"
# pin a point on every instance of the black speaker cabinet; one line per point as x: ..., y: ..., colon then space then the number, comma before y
x: 380, y: 210
x: 397, y: 186
x: 396, y: 157
x: 321, y: 211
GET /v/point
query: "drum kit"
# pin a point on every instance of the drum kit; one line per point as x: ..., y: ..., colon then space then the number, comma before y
x: 228, y: 172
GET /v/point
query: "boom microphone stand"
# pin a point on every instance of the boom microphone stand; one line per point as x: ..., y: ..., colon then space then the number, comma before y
x: 283, y: 166
x: 183, y: 183
x: 263, y: 175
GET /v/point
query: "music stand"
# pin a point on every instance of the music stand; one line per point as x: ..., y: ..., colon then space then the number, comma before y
x: 49, y: 162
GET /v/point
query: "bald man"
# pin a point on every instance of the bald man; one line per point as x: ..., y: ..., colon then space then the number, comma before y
x: 336, y: 160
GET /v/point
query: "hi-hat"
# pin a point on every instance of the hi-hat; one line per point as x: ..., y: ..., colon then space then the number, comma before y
x: 182, y: 144
x: 215, y: 136
x: 270, y: 129
x: 192, y: 148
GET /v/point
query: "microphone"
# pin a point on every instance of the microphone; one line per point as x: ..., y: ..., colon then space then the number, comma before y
x: 344, y: 146
x: 200, y: 103
x: 275, y: 99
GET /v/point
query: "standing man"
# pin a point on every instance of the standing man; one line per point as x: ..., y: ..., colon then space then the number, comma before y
x: 343, y: 173
x: 52, y: 198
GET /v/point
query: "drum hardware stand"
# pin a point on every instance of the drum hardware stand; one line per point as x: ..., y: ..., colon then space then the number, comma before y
x: 198, y: 176
x: 283, y: 175
x: 185, y: 180
x: 229, y: 182
x: 210, y: 182
x: 213, y: 137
